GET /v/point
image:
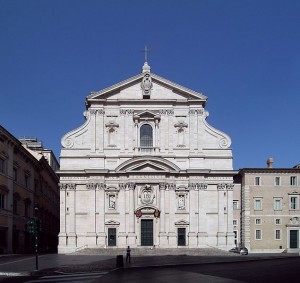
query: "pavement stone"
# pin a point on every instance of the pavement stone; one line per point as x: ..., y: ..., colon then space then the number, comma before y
x: 158, y: 261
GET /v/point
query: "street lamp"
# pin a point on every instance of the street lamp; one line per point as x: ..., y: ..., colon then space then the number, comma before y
x: 36, y: 233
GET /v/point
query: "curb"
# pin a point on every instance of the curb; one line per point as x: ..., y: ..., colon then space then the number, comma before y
x: 14, y: 274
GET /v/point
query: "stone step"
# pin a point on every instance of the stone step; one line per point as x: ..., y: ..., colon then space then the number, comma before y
x: 155, y: 251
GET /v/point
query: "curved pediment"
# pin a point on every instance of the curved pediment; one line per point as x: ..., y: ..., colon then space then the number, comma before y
x: 149, y: 164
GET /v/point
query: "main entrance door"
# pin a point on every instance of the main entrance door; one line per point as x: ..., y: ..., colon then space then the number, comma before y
x: 293, y: 239
x: 147, y: 232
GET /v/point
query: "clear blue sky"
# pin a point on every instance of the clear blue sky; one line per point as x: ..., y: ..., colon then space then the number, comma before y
x: 243, y: 54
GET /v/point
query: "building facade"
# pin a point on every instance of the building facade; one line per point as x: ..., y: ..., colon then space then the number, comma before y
x: 28, y: 188
x: 146, y: 169
x: 270, y: 208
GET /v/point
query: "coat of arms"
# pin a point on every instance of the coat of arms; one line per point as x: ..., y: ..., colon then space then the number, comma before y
x: 147, y: 195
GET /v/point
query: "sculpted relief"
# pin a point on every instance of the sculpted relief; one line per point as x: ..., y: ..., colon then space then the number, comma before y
x: 147, y: 195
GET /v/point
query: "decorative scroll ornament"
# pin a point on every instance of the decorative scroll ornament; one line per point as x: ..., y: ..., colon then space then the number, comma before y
x: 65, y: 186
x: 181, y: 125
x: 197, y: 186
x: 94, y: 186
x: 229, y: 187
x: 167, y: 186
x: 147, y: 195
x: 221, y: 186
x: 146, y: 84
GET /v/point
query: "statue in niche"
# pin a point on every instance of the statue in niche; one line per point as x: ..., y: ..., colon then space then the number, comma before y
x: 146, y: 84
x: 181, y: 136
x: 112, y: 202
x: 181, y: 204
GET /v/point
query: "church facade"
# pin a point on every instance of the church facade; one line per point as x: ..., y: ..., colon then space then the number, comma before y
x: 146, y: 169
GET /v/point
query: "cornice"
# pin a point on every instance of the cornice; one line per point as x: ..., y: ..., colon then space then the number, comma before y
x: 269, y: 170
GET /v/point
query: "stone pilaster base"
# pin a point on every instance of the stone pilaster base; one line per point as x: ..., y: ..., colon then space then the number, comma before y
x: 202, y: 239
x: 101, y: 240
x: 72, y: 239
x: 131, y: 240
x: 91, y: 239
x: 192, y: 243
x: 122, y: 240
x: 172, y: 240
x: 221, y: 239
x: 163, y: 240
x: 230, y: 239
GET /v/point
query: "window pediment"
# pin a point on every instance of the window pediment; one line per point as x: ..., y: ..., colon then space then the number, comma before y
x: 146, y: 116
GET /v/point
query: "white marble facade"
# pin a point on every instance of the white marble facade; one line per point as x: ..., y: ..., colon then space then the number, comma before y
x: 145, y: 169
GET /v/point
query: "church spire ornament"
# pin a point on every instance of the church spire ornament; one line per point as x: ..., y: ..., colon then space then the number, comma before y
x: 146, y: 67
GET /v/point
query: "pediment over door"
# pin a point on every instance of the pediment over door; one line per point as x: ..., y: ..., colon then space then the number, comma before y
x: 182, y: 223
x: 154, y: 164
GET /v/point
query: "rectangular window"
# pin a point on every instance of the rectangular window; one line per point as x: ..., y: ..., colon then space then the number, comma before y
x: 15, y: 206
x: 27, y: 181
x: 235, y: 237
x: 257, y: 181
x: 277, y: 181
x: 235, y: 204
x: 234, y: 222
x: 258, y: 221
x: 293, y: 203
x: 257, y: 204
x: 15, y: 174
x: 2, y: 201
x: 277, y: 234
x: 277, y: 221
x: 27, y: 209
x: 293, y: 181
x: 258, y: 235
x: 277, y: 204
x: 2, y: 165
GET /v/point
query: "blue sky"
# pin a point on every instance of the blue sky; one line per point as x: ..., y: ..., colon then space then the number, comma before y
x: 244, y: 55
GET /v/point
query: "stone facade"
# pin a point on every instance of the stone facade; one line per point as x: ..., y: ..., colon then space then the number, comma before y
x: 28, y: 188
x: 146, y: 169
x: 270, y: 209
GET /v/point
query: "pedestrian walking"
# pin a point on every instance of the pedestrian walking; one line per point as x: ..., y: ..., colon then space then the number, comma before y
x: 128, y: 254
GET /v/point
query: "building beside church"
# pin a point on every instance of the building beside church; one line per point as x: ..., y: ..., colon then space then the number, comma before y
x: 28, y: 188
x: 146, y: 169
x: 270, y: 208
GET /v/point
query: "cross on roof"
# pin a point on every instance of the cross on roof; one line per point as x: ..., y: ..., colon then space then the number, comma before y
x: 146, y: 50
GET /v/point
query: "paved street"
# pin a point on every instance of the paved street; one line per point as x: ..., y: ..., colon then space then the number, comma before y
x: 24, y: 265
x: 180, y: 268
x: 276, y: 270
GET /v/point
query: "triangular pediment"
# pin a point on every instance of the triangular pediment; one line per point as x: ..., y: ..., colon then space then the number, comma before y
x: 147, y: 167
x: 112, y: 222
x: 131, y: 89
x: 151, y: 164
x: 182, y: 222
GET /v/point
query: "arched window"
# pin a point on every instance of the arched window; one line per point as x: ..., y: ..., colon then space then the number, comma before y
x: 146, y: 136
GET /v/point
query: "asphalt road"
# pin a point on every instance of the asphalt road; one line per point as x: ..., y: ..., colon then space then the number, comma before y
x: 26, y: 264
x: 262, y: 271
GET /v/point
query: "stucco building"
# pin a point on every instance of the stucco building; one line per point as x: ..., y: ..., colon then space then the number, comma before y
x: 146, y: 169
x: 270, y: 208
x: 28, y: 188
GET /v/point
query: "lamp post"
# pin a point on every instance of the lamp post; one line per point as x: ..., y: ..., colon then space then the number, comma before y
x: 36, y: 233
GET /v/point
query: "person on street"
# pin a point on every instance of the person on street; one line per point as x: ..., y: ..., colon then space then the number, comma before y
x: 128, y: 254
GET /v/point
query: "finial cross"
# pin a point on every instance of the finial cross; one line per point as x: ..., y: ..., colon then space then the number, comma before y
x: 146, y: 50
